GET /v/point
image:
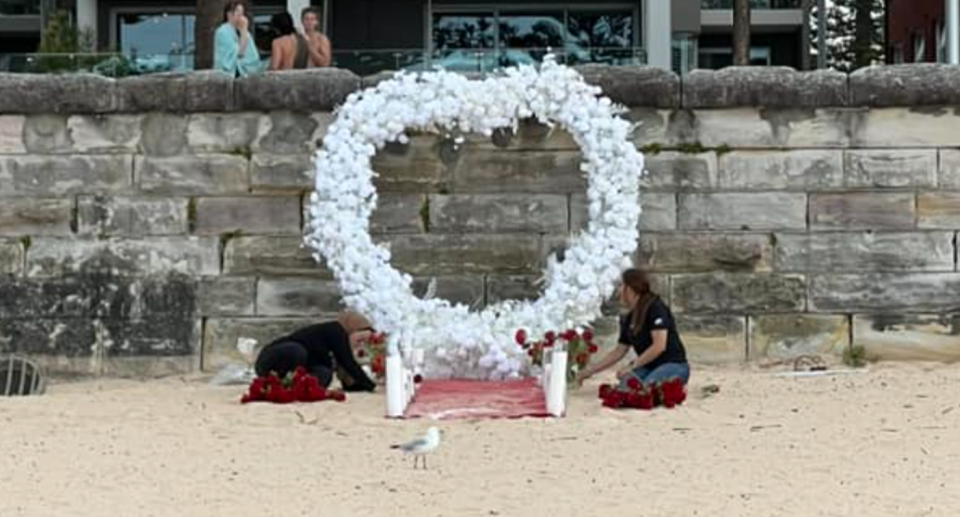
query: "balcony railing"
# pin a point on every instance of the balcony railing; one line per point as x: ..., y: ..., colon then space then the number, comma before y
x: 755, y: 4
x: 361, y: 62
x: 19, y: 7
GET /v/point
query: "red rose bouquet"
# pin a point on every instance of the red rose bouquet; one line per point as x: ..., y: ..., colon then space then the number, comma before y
x: 579, y: 346
x: 373, y: 354
x: 296, y: 386
x: 637, y: 395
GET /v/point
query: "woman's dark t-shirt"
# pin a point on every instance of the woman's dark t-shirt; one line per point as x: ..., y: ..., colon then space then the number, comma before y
x: 658, y: 317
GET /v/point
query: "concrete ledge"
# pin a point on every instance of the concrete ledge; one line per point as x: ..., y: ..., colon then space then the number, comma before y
x: 56, y: 94
x: 313, y: 90
x: 193, y: 92
x: 770, y: 87
x: 925, y: 84
x: 635, y: 86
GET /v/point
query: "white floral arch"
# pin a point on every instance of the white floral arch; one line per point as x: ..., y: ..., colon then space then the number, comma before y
x: 458, y: 342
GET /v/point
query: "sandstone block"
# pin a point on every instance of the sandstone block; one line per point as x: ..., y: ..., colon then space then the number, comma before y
x: 742, y: 211
x: 219, y: 296
x: 865, y: 251
x: 56, y: 93
x: 714, y: 339
x: 652, y: 126
x: 495, y: 172
x: 890, y: 168
x: 222, y: 132
x: 399, y: 213
x: 210, y: 174
x: 498, y: 213
x: 105, y: 133
x: 738, y: 293
x: 249, y: 215
x: 808, y: 169
x: 905, y: 337
x: 787, y: 336
x: 451, y: 254
x: 781, y: 87
x: 863, y: 211
x: 11, y: 134
x: 57, y: 298
x: 132, y: 216
x: 659, y: 211
x: 292, y: 172
x: 297, y: 297
x: 286, y: 133
x: 221, y: 334
x: 43, y: 216
x: 750, y: 128
x: 320, y: 89
x: 150, y: 348
x: 885, y: 292
x: 705, y: 252
x: 412, y: 167
x: 271, y: 256
x: 635, y: 86
x: 512, y: 287
x: 61, y: 345
x: 530, y: 135
x: 680, y: 171
x: 463, y: 289
x: 63, y: 175
x: 11, y: 258
x: 922, y: 84
x: 47, y: 134
x: 186, y: 255
x: 949, y: 169
x: 164, y: 134
x: 906, y: 127
x: 939, y: 210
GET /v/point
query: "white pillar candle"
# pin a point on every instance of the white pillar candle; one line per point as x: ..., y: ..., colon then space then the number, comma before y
x: 395, y: 399
x: 557, y: 392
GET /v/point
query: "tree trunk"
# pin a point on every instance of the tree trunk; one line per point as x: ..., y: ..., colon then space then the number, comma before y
x: 863, y: 34
x: 741, y: 32
x: 806, y: 46
x: 209, y: 17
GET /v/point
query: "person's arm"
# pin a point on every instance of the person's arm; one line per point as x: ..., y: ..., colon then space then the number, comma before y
x: 612, y: 358
x: 276, y: 56
x: 319, y: 47
x: 224, y: 52
x: 244, y: 37
x: 657, y: 347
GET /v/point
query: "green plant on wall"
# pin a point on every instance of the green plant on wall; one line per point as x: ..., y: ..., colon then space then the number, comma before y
x: 59, y: 39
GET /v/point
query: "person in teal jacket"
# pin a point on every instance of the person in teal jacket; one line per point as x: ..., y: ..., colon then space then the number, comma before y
x: 234, y: 51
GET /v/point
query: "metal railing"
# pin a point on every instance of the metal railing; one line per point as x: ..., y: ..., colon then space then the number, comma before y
x: 755, y: 4
x: 361, y: 62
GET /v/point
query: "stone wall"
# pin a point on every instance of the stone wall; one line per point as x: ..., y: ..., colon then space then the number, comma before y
x: 146, y: 223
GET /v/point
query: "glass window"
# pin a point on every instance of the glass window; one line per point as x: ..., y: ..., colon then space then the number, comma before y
x: 526, y: 37
x: 19, y: 7
x: 919, y: 48
x: 463, y: 31
x: 157, y: 42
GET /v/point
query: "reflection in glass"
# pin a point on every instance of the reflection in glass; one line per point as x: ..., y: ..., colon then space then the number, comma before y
x: 463, y: 31
x: 526, y: 38
x: 157, y: 42
x: 599, y: 37
x: 19, y: 7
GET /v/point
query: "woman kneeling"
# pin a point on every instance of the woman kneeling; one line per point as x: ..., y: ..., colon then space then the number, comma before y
x: 650, y: 330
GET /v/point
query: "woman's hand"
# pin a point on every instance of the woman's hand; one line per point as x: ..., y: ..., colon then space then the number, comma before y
x: 359, y: 337
x: 581, y: 377
x: 623, y: 372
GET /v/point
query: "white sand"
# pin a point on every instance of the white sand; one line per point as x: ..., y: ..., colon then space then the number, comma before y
x: 881, y: 443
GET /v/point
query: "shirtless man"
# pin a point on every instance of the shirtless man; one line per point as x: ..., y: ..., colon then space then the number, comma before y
x: 320, y: 53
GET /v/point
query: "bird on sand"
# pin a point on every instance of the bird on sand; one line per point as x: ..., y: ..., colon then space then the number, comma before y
x: 420, y: 447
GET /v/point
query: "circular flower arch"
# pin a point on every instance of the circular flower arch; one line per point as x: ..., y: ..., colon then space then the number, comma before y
x: 457, y: 341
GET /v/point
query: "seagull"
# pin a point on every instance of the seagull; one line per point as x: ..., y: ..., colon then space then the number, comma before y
x: 421, y: 446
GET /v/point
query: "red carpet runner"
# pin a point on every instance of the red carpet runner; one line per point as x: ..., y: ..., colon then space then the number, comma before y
x: 451, y: 399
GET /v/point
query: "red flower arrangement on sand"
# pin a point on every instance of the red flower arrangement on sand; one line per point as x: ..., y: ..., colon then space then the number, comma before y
x: 297, y: 386
x: 637, y: 395
x: 579, y: 345
x: 374, y: 354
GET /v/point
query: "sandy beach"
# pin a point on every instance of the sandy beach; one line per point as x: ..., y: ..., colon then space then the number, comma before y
x: 884, y: 442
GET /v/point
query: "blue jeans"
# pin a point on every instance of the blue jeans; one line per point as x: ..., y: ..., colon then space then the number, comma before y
x: 659, y: 374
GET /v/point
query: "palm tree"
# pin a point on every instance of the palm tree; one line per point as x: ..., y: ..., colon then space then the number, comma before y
x: 741, y: 32
x: 209, y: 17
